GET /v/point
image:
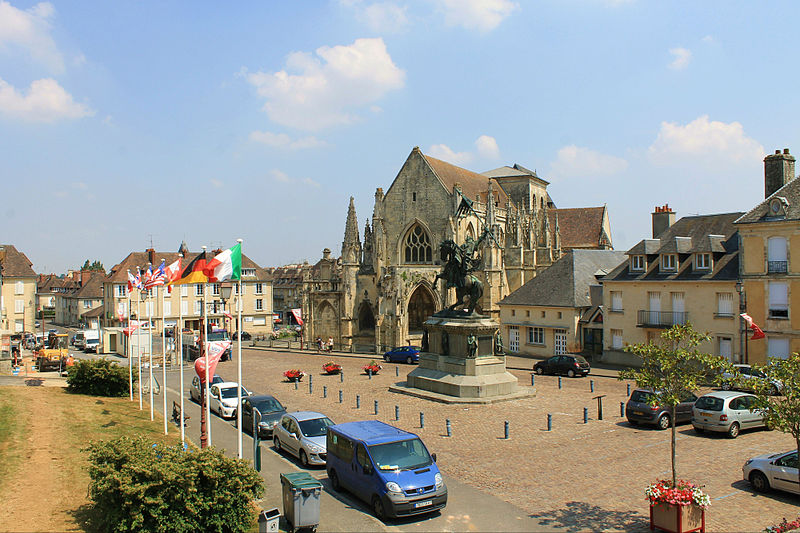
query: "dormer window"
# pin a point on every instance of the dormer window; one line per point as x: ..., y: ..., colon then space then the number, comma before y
x: 669, y: 262
x: 637, y: 263
x: 702, y: 261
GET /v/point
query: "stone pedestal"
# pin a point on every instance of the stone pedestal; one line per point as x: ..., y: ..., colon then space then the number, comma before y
x: 460, y: 365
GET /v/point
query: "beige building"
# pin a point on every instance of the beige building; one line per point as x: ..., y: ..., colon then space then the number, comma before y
x: 287, y: 288
x: 71, y: 306
x: 48, y: 287
x: 553, y: 313
x: 255, y: 300
x: 770, y: 269
x: 686, y: 273
x: 17, y: 291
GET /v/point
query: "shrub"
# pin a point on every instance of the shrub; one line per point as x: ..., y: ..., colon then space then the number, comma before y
x: 140, y: 486
x: 99, y: 377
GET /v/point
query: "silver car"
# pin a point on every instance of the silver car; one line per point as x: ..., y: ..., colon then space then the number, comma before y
x: 773, y: 471
x: 743, y: 377
x: 726, y: 412
x: 303, y: 435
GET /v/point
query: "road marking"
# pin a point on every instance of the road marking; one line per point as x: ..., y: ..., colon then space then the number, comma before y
x: 731, y: 494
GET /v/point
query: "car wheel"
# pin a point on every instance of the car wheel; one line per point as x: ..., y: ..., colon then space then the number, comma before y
x: 377, y: 508
x: 277, y: 443
x: 759, y: 481
x: 385, y: 358
x: 733, y: 431
x: 335, y: 481
x: 539, y: 370
x: 726, y: 386
x: 570, y: 373
x: 304, y: 458
x: 409, y: 360
x: 663, y: 422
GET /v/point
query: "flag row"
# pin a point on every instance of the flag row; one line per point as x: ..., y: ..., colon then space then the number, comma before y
x: 224, y: 266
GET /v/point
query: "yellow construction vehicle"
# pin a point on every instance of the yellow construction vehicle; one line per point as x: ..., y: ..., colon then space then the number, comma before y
x: 54, y: 354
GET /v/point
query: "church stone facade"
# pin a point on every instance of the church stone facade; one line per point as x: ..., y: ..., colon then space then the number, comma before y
x: 383, y: 287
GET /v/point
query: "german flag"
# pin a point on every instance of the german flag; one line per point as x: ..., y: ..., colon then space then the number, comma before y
x: 193, y: 273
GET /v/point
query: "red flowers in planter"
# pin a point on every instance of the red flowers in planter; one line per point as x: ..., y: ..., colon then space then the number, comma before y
x: 784, y: 526
x: 373, y: 367
x: 294, y: 375
x: 331, y: 368
x: 684, y: 493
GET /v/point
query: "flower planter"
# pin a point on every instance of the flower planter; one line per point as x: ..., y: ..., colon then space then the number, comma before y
x: 294, y: 375
x: 292, y: 379
x: 331, y: 370
x: 677, y: 518
x: 374, y: 369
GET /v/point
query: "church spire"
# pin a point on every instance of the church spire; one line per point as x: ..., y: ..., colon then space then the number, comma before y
x: 351, y: 246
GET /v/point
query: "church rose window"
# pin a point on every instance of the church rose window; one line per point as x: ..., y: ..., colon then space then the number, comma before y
x: 418, y: 246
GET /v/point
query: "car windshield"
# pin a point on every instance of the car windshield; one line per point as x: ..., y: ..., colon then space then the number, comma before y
x: 641, y: 396
x: 218, y: 336
x: 270, y: 405
x: 316, y: 427
x: 230, y: 392
x: 580, y: 359
x: 709, y: 403
x: 400, y: 455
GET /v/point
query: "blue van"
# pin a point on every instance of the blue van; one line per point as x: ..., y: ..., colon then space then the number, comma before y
x: 387, y: 467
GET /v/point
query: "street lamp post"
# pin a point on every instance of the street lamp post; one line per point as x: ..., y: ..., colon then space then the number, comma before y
x: 743, y: 348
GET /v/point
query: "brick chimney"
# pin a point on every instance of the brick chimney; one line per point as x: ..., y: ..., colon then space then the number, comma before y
x: 663, y: 218
x: 85, y: 276
x: 778, y: 171
x: 151, y: 256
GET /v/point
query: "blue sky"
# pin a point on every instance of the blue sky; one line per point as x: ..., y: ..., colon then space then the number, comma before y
x: 123, y: 122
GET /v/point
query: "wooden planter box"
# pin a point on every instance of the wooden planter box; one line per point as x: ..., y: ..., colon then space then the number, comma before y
x: 677, y: 518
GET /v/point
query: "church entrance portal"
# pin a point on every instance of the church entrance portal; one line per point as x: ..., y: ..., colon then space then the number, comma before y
x: 420, y: 307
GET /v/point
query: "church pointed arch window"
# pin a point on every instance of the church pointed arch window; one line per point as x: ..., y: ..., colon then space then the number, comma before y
x: 470, y: 231
x: 417, y: 246
x: 420, y: 308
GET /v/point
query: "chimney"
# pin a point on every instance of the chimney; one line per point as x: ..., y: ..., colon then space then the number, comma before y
x: 151, y: 256
x: 86, y: 275
x: 663, y: 218
x: 778, y: 171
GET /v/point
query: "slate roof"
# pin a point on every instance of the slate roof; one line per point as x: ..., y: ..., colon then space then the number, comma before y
x: 92, y: 289
x: 566, y: 282
x: 579, y: 227
x: 16, y: 264
x: 760, y: 213
x: 119, y: 272
x: 517, y: 171
x: 473, y: 185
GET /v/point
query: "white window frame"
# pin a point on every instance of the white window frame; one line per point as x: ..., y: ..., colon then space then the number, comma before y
x: 637, y: 263
x: 778, y: 347
x: 19, y: 287
x: 669, y: 262
x: 536, y: 335
x: 259, y: 288
x: 198, y: 308
x: 167, y: 307
x: 184, y: 291
x: 702, y: 261
x: 259, y: 304
x: 184, y: 307
x: 215, y: 289
x: 725, y: 304
x: 19, y: 306
x: 616, y: 339
x: 198, y: 289
x: 778, y: 300
x: 120, y: 291
x: 616, y: 301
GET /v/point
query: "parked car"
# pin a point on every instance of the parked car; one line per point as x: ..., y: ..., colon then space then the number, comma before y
x: 194, y: 390
x: 726, y: 412
x: 92, y: 346
x: 303, y: 434
x: 225, y: 398
x: 773, y: 471
x: 245, y: 336
x: 640, y: 409
x: 743, y: 377
x: 407, y: 354
x: 570, y: 365
x: 269, y: 409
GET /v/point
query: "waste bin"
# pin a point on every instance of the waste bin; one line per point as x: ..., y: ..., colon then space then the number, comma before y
x: 268, y: 521
x: 301, y: 500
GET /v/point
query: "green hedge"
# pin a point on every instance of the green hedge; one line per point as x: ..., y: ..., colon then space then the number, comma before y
x: 140, y: 486
x: 99, y: 377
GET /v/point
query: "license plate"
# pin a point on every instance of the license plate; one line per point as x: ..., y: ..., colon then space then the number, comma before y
x: 707, y: 415
x: 638, y: 413
x: 426, y: 503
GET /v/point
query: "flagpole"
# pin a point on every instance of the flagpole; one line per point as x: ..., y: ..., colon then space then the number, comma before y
x: 128, y: 339
x: 205, y: 354
x: 239, y: 361
x: 179, y: 340
x: 163, y: 348
x: 149, y: 309
x: 139, y: 342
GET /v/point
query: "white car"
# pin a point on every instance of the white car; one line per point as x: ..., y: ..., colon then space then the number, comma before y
x: 743, y: 376
x: 773, y: 471
x: 303, y: 434
x: 224, y: 398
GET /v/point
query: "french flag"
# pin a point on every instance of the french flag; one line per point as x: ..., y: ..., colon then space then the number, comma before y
x: 758, y: 333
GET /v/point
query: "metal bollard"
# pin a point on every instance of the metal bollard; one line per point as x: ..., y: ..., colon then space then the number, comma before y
x: 397, y: 371
x: 591, y: 385
x: 549, y: 422
x: 421, y: 420
x: 295, y: 383
x: 629, y: 389
x: 559, y: 382
x: 376, y: 407
x: 310, y: 384
x: 369, y: 373
x: 585, y: 415
x: 324, y: 391
x: 506, y: 429
x: 397, y: 412
x: 621, y: 408
x: 533, y: 379
x: 358, y: 401
x: 341, y: 376
x: 449, y: 428
x: 341, y: 396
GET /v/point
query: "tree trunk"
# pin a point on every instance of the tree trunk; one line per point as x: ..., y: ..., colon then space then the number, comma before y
x: 797, y: 442
x: 674, y: 473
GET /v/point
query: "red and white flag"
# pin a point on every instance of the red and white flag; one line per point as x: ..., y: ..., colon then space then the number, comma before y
x: 172, y: 272
x: 215, y: 351
x: 227, y: 315
x: 757, y: 332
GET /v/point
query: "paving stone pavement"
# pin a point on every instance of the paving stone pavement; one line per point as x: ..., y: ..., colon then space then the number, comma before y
x: 577, y: 477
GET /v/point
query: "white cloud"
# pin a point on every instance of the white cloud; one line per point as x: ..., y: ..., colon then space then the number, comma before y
x: 481, y: 15
x: 30, y: 30
x: 380, y: 17
x: 279, y: 175
x: 445, y: 153
x: 577, y: 161
x: 709, y: 141
x: 282, y: 140
x: 45, y: 101
x: 283, y: 177
x: 682, y: 57
x: 708, y: 39
x: 487, y: 147
x: 328, y: 87
x: 216, y: 183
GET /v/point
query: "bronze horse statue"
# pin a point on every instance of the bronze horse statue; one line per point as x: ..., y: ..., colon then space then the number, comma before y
x: 456, y: 272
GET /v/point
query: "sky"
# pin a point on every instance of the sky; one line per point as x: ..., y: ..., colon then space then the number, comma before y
x: 129, y: 123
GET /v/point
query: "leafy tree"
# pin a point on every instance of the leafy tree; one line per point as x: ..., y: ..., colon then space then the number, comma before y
x: 144, y: 487
x: 94, y: 265
x: 99, y: 377
x: 673, y: 368
x: 781, y: 412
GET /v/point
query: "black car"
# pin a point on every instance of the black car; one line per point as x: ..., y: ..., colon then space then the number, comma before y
x: 270, y: 410
x: 643, y: 409
x: 245, y: 336
x: 570, y: 365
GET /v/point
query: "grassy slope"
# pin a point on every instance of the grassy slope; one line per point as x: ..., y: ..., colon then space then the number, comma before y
x: 13, y: 419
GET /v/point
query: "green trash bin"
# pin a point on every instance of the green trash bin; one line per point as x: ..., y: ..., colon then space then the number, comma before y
x: 301, y: 494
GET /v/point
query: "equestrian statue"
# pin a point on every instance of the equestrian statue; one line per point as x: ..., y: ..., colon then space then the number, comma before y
x: 459, y: 262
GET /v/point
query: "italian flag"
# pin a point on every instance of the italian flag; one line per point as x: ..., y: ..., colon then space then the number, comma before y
x: 227, y: 265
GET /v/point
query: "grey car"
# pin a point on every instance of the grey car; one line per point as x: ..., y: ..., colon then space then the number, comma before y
x: 743, y: 377
x: 640, y: 409
x: 726, y: 412
x: 773, y: 471
x: 303, y: 434
x: 269, y: 409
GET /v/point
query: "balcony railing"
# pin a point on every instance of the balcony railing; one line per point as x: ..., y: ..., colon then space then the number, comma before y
x: 660, y: 319
x: 777, y: 267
